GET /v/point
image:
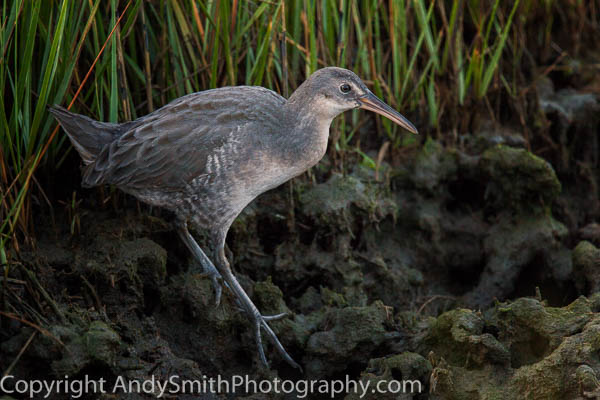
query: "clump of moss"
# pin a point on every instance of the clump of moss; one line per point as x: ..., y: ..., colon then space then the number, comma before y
x: 547, y: 352
x: 586, y: 267
x: 412, y: 368
x: 433, y: 165
x: 519, y: 180
x: 346, y: 335
x: 99, y: 344
x: 332, y: 201
x: 458, y: 336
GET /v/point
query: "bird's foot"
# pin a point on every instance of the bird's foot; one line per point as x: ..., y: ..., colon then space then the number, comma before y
x: 216, y: 280
x: 208, y: 267
x: 260, y: 322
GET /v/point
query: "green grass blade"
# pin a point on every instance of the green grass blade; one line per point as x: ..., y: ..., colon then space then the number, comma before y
x: 48, y: 76
x: 493, y: 65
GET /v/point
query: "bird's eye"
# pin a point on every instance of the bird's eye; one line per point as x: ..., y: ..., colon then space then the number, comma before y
x: 345, y: 88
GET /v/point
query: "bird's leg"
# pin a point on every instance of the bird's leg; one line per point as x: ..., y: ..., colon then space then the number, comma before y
x: 207, y: 265
x: 248, y: 306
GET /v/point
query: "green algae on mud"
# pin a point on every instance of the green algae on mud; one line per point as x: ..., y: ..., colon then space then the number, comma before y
x: 586, y: 265
x: 337, y: 201
x: 523, y: 182
x: 545, y: 352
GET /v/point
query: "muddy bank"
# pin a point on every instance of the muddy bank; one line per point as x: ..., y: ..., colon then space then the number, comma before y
x: 472, y: 268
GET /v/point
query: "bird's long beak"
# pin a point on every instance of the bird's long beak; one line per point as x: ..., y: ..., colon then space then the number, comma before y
x: 372, y: 103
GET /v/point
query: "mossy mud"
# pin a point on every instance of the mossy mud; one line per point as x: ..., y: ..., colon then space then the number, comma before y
x: 473, y: 269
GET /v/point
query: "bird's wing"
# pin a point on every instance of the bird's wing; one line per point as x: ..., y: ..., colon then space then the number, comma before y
x: 170, y: 147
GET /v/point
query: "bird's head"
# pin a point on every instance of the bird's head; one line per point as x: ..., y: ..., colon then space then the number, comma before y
x: 336, y: 90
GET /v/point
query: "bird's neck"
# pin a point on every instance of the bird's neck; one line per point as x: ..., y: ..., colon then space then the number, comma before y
x: 308, y: 131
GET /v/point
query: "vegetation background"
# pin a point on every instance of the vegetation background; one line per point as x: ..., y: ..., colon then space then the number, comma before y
x: 444, y: 64
x: 474, y: 267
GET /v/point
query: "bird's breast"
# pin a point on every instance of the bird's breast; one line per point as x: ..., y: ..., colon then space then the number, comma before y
x: 258, y: 163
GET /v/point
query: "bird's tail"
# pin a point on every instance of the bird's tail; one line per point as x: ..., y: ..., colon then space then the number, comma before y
x: 87, y: 135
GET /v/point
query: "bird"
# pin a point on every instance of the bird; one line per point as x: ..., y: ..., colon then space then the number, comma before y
x: 205, y: 156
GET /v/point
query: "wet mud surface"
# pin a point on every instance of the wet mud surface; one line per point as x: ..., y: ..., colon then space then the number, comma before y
x: 473, y: 268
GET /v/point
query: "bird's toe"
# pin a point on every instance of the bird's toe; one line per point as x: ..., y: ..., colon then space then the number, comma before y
x: 275, y: 317
x: 218, y: 288
x: 258, y: 337
x: 260, y: 322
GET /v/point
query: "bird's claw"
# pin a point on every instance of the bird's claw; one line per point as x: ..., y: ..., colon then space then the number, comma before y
x: 216, y: 280
x: 260, y: 322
